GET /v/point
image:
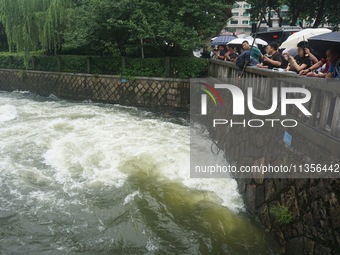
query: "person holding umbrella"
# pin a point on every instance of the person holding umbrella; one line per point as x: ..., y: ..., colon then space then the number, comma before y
x: 323, y: 42
x: 301, y: 61
x: 313, y: 70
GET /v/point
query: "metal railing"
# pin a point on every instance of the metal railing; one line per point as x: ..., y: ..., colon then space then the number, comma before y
x: 324, y: 104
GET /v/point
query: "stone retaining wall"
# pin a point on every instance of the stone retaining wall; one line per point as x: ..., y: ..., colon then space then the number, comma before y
x: 158, y: 93
x: 313, y: 203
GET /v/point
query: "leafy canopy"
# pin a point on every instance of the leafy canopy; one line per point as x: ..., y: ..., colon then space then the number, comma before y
x: 49, y: 24
x: 34, y: 24
x: 107, y: 23
x: 316, y: 12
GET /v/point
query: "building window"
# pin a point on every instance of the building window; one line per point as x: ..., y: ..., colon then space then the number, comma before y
x: 235, y: 14
x: 236, y: 6
x: 246, y: 14
x: 234, y: 22
x: 285, y: 22
x: 245, y: 22
x: 246, y: 6
x: 284, y: 14
x: 284, y: 7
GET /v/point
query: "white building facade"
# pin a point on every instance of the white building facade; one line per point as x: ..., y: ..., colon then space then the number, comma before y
x: 240, y: 21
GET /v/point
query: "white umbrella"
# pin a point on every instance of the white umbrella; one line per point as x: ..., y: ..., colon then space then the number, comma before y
x: 303, y: 35
x: 242, y: 36
x: 239, y: 41
x: 249, y: 39
x: 260, y: 41
x: 257, y: 40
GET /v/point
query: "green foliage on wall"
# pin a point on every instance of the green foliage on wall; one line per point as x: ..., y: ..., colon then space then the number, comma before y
x: 73, y: 64
x: 282, y: 214
x: 145, y: 67
x: 45, y: 63
x: 189, y: 67
x: 106, y: 65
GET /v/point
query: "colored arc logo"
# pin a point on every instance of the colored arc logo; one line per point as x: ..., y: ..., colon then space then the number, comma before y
x: 210, y: 90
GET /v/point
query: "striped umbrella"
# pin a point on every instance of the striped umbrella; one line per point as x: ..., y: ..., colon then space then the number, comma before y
x: 222, y: 40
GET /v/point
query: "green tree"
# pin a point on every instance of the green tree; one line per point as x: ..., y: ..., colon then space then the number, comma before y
x: 34, y: 24
x: 3, y: 38
x: 316, y: 12
x: 261, y: 10
x: 106, y: 24
x: 190, y: 23
x: 332, y: 11
x: 167, y: 22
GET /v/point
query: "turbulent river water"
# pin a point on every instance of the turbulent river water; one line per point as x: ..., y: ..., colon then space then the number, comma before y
x: 85, y: 178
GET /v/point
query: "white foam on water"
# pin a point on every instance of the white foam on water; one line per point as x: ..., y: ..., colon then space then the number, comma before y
x: 150, y: 246
x: 129, y: 198
x: 85, y: 144
x: 7, y: 113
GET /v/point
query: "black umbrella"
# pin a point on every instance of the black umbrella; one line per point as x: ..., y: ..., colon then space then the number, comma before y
x: 321, y: 43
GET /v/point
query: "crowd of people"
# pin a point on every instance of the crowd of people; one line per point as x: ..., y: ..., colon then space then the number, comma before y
x: 301, y: 60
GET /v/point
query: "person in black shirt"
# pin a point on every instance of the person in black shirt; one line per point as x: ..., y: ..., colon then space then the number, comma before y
x: 220, y: 53
x: 273, y: 59
x: 300, y: 62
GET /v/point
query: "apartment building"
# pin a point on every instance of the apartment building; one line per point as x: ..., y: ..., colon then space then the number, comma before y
x: 240, y: 21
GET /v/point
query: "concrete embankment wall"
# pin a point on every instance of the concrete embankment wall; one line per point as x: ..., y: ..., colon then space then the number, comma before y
x: 313, y: 203
x: 157, y: 93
